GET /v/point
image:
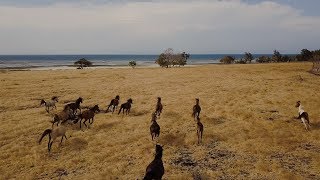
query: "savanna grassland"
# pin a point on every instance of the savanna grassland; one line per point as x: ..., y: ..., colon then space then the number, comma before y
x: 247, y: 112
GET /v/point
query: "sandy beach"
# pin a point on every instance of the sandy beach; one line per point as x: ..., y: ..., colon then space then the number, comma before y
x: 247, y: 111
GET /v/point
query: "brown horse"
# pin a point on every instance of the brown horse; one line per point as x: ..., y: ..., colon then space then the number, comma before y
x: 154, y: 128
x: 88, y: 115
x: 199, y: 130
x: 126, y: 107
x: 114, y: 103
x: 54, y: 133
x: 196, y: 110
x: 155, y: 169
x: 159, y: 107
x: 62, y: 116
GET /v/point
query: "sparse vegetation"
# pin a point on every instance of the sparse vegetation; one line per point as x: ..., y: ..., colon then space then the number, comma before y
x: 247, y: 113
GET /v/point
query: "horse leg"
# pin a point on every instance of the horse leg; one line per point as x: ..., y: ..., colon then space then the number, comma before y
x: 91, y: 120
x: 84, y: 122
x: 61, y: 140
x: 65, y: 137
x: 303, y: 120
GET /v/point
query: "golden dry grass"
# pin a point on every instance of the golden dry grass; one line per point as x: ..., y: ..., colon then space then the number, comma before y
x: 247, y: 112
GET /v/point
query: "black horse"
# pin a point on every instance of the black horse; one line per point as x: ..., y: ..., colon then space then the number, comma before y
x: 75, y: 105
x: 126, y: 106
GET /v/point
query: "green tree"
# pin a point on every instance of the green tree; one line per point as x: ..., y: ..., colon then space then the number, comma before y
x: 133, y: 64
x: 263, y: 59
x: 83, y: 63
x: 276, y: 57
x: 248, y: 57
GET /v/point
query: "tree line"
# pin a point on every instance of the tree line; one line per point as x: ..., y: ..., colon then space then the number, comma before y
x: 305, y: 55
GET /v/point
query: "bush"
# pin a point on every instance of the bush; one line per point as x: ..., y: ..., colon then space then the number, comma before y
x: 83, y: 63
x: 263, y: 59
x: 227, y: 60
x: 133, y: 64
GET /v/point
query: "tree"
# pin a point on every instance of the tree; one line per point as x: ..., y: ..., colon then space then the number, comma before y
x: 276, y: 57
x: 248, y: 57
x: 133, y: 64
x: 83, y: 63
x: 169, y: 58
x: 227, y: 60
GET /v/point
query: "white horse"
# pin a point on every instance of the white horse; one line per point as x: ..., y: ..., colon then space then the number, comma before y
x: 303, y: 115
x: 51, y: 103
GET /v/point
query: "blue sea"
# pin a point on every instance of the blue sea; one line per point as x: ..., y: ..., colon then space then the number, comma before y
x: 47, y: 61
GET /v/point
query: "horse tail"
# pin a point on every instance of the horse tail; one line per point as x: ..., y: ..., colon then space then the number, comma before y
x: 47, y: 131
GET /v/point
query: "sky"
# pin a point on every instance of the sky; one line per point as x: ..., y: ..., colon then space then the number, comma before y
x: 151, y: 26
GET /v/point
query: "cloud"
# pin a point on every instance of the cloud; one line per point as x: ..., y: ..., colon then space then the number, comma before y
x: 230, y: 26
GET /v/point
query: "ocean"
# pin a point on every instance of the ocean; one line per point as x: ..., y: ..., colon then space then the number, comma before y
x: 64, y: 61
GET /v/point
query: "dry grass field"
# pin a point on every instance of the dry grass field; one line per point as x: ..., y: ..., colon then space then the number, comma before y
x: 247, y: 112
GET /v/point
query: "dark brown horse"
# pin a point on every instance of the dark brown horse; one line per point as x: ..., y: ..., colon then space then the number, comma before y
x: 155, y: 169
x: 114, y: 103
x: 88, y: 115
x: 154, y: 128
x: 159, y: 107
x: 126, y: 107
x: 196, y: 110
x: 199, y: 130
x: 75, y: 105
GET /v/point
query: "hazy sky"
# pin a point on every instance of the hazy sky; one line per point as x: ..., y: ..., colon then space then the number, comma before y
x: 149, y: 27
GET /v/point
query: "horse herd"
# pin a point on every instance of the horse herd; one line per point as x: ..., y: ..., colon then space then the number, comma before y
x: 72, y: 112
x: 155, y: 169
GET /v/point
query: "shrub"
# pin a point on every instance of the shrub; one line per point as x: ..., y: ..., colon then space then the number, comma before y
x: 83, y: 63
x: 227, y: 60
x: 133, y: 64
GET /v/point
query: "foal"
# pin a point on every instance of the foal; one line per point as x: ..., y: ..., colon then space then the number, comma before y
x: 126, y: 107
x: 199, y: 130
x: 88, y: 114
x: 62, y: 116
x: 159, y: 107
x: 114, y: 103
x: 75, y: 105
x: 54, y: 134
x: 154, y: 128
x: 196, y: 110
x: 155, y: 169
x: 303, y: 115
x: 51, y: 103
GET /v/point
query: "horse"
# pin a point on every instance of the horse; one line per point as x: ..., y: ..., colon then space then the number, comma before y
x: 54, y: 133
x: 126, y: 107
x: 159, y: 107
x: 75, y: 105
x: 114, y: 103
x: 62, y: 116
x: 51, y: 103
x: 303, y: 115
x: 196, y: 110
x: 154, y: 128
x: 155, y: 169
x: 199, y: 130
x: 88, y: 114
